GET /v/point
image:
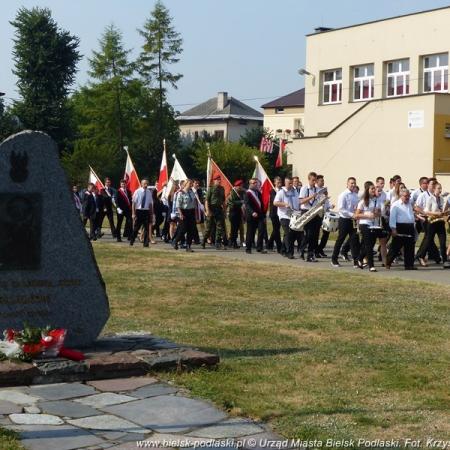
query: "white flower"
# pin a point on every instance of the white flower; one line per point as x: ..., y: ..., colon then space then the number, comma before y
x: 10, y: 349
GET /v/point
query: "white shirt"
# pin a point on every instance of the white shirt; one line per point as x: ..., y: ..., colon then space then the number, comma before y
x: 373, y: 203
x: 347, y: 203
x: 306, y: 191
x: 286, y: 196
x: 138, y: 197
x: 434, y: 205
x: 415, y: 195
x: 422, y: 199
x: 401, y: 213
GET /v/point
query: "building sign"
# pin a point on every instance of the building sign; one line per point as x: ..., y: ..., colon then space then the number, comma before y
x: 415, y: 119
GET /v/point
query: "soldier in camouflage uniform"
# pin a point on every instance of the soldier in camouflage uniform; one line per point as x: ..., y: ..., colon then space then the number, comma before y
x: 215, y: 213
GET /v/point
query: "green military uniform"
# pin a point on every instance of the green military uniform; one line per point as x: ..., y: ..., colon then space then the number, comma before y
x: 216, y: 200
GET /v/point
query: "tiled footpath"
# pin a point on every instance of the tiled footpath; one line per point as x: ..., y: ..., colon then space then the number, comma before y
x: 122, y: 413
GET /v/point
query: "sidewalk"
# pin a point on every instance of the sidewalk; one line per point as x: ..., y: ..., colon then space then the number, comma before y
x: 119, y: 413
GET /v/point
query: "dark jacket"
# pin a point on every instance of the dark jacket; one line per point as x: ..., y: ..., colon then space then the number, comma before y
x: 121, y: 201
x: 108, y: 199
x: 90, y: 205
x: 252, y: 206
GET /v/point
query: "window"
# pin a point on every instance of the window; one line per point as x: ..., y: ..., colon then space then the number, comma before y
x: 279, y: 110
x: 363, y: 82
x: 219, y: 135
x: 332, y: 86
x: 397, y: 78
x: 435, y: 73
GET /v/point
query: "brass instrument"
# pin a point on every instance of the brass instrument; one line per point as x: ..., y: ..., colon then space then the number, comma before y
x: 445, y: 215
x: 298, y: 222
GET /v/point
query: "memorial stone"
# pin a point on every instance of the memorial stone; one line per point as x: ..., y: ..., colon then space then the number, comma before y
x: 48, y: 272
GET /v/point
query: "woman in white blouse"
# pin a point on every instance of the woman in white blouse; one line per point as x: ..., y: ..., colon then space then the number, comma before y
x: 368, y: 213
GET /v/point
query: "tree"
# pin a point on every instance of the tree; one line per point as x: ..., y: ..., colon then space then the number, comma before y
x: 8, y: 123
x: 45, y: 59
x: 162, y: 45
x: 110, y: 66
x: 235, y: 160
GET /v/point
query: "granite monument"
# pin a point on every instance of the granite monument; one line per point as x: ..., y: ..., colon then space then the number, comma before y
x: 48, y: 272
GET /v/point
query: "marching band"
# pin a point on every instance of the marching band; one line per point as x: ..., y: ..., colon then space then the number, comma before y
x: 394, y: 218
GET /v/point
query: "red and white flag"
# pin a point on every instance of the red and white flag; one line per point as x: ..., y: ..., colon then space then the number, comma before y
x: 279, y: 161
x: 265, y: 185
x: 212, y: 171
x: 130, y: 175
x: 94, y: 179
x: 266, y: 145
x: 163, y: 172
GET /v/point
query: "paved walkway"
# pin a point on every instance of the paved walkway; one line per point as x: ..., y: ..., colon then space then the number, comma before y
x: 120, y: 414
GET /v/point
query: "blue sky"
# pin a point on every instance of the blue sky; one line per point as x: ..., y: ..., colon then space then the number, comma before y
x: 249, y: 48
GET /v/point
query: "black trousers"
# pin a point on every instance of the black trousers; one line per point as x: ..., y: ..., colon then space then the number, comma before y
x: 367, y: 242
x: 433, y: 229
x: 142, y: 220
x: 346, y: 228
x: 312, y: 231
x: 427, y: 245
x: 128, y: 225
x: 186, y: 227
x: 235, y: 221
x: 289, y: 237
x: 110, y: 216
x: 92, y: 226
x: 323, y: 241
x: 275, y: 236
x: 407, y: 243
x: 254, y: 224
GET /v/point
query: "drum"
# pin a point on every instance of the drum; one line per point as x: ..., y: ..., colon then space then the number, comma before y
x: 330, y: 221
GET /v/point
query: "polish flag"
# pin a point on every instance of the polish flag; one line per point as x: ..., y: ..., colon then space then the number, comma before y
x: 212, y: 171
x: 265, y: 185
x: 163, y: 172
x: 130, y: 175
x: 177, y: 174
x: 279, y: 161
x: 94, y: 179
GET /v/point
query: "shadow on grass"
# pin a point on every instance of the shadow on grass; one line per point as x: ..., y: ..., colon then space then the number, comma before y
x: 254, y: 352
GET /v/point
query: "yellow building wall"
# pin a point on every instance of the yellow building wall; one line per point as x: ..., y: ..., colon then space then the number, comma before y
x: 410, y: 37
x: 376, y: 141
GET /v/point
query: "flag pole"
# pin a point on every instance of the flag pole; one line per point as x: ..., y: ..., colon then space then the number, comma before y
x: 98, y: 178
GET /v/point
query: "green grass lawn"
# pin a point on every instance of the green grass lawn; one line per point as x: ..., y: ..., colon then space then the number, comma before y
x: 9, y: 441
x: 317, y: 354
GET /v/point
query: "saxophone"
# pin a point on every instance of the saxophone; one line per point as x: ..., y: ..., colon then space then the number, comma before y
x: 298, y: 222
x: 444, y: 217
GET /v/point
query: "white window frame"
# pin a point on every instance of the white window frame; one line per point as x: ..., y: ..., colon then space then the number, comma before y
x: 370, y: 79
x: 403, y: 73
x: 443, y: 69
x: 328, y: 86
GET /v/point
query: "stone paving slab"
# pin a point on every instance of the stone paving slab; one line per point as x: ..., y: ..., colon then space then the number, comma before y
x: 68, y: 408
x: 109, y: 423
x: 62, y: 391
x: 121, y: 384
x: 168, y: 413
x: 9, y: 407
x: 48, y: 437
x: 105, y: 399
x: 154, y: 390
x: 18, y: 397
x: 235, y: 427
x: 35, y: 419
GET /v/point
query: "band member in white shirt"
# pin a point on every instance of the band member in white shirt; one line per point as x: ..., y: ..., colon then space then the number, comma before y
x: 320, y: 253
x: 427, y: 246
x: 434, y: 210
x: 382, y: 203
x: 286, y: 200
x: 401, y: 222
x: 308, y: 199
x: 347, y: 203
x: 369, y: 214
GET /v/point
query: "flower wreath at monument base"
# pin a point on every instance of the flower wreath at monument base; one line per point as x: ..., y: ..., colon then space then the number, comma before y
x: 31, y: 343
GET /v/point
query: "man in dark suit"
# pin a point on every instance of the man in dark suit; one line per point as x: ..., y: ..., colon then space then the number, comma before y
x: 92, y: 208
x: 255, y: 215
x: 108, y: 194
x: 123, y: 203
